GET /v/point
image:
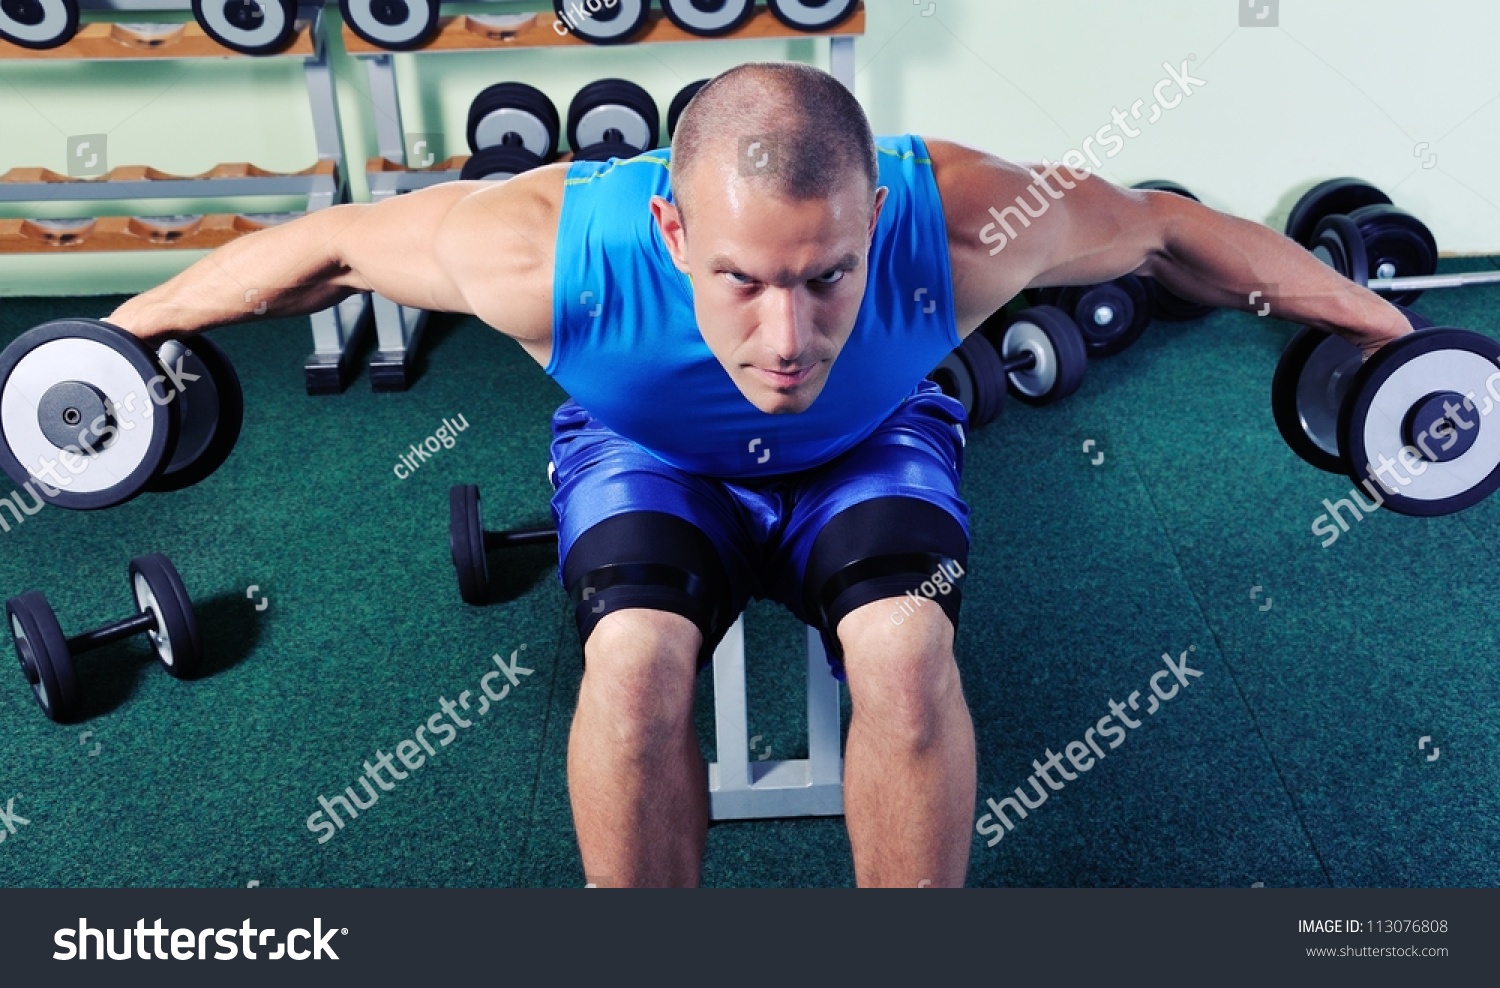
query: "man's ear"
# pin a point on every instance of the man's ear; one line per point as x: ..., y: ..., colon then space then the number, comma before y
x: 880, y: 197
x: 673, y: 233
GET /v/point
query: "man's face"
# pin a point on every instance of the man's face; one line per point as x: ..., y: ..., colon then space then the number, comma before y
x: 777, y: 283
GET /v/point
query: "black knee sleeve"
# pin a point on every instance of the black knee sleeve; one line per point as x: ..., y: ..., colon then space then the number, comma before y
x: 885, y: 547
x: 652, y: 560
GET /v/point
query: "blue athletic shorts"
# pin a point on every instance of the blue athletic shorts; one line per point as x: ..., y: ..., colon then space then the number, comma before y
x: 764, y: 531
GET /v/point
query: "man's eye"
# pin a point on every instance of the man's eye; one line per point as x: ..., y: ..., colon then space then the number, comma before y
x: 735, y: 278
x: 831, y: 278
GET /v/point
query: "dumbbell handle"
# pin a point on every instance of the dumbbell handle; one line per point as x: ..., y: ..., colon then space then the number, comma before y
x: 520, y: 536
x: 134, y: 625
x: 1421, y: 283
x: 1023, y: 361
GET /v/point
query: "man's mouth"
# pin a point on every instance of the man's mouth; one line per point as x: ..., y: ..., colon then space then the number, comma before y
x: 785, y: 379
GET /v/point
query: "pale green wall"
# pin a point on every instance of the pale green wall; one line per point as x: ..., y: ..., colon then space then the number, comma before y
x: 1341, y: 86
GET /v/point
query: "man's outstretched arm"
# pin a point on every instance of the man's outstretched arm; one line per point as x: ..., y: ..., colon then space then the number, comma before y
x: 1011, y: 228
x: 472, y: 247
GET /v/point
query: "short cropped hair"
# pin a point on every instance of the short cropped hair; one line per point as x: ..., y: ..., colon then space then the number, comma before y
x: 816, y: 134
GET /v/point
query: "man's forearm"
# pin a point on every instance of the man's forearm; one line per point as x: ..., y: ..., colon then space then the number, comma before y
x: 286, y: 270
x: 1225, y: 261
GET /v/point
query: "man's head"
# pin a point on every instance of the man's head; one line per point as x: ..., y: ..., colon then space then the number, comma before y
x: 774, y: 179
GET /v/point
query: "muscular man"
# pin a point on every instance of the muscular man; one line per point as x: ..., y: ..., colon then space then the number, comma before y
x: 743, y: 324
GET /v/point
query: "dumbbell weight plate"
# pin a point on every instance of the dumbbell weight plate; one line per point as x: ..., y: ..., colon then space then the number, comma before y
x: 811, y: 15
x: 603, y: 22
x: 1335, y: 197
x: 513, y: 114
x: 1312, y: 377
x: 614, y: 110
x: 1051, y: 336
x: 211, y: 414
x: 1338, y: 243
x: 57, y: 381
x: 1166, y: 304
x: 1111, y: 316
x: 159, y: 590
x: 679, y: 103
x: 499, y: 163
x: 38, y: 23
x: 1392, y: 389
x: 466, y: 543
x: 1307, y: 391
x: 395, y: 25
x: 1397, y: 244
x: 253, y: 27
x: 974, y: 376
x: 708, y: 18
x: 42, y: 649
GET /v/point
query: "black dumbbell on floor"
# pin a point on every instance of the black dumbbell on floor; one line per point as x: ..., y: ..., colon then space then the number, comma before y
x: 1037, y: 355
x: 1164, y: 303
x: 512, y: 128
x: 164, y: 613
x: 1353, y: 227
x: 470, y: 544
x: 91, y: 417
x: 1411, y: 424
x: 1112, y: 315
x: 612, y: 118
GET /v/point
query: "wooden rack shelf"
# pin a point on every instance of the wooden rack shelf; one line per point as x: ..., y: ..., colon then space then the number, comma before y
x: 121, y: 233
x: 144, y: 182
x: 121, y: 40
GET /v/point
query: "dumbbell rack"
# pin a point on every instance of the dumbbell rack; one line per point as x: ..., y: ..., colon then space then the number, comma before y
x: 398, y: 328
x: 324, y: 184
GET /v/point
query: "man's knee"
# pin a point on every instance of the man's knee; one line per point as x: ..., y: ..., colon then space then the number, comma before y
x: 901, y: 673
x: 641, y: 667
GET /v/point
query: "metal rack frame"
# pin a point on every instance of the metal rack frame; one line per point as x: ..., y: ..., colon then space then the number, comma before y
x: 334, y: 329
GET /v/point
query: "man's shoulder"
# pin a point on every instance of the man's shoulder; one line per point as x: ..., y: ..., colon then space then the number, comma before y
x: 648, y: 173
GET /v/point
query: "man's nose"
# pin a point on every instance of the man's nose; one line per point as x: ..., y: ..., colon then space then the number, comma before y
x: 784, y: 326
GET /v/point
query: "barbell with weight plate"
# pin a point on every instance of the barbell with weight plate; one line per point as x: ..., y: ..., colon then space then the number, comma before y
x: 1377, y: 244
x: 164, y: 613
x: 1337, y: 196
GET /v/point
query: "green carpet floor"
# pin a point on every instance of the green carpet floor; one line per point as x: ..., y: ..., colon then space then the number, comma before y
x: 1292, y: 760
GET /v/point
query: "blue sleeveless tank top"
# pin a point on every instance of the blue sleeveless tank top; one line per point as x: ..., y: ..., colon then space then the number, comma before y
x: 626, y: 345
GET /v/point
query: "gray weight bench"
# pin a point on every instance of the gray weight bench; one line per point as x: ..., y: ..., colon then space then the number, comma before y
x: 740, y: 788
